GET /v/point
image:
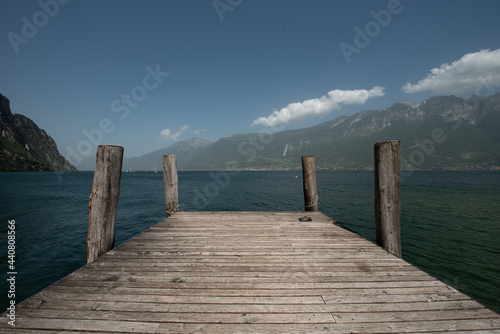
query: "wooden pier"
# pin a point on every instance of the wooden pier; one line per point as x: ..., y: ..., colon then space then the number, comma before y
x: 250, y: 272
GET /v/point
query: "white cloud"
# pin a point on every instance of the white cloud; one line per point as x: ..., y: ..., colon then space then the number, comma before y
x: 167, y: 134
x: 321, y: 106
x: 475, y: 73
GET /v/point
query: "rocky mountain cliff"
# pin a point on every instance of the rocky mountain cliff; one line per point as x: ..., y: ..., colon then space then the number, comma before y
x: 443, y: 132
x: 26, y: 147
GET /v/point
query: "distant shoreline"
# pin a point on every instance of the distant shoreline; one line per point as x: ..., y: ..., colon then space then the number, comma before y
x: 493, y: 168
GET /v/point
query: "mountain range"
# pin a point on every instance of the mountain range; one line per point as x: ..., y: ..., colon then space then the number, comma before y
x: 26, y: 147
x: 443, y: 132
x: 185, y: 151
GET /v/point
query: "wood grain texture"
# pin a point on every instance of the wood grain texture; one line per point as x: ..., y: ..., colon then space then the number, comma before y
x: 388, y: 195
x: 250, y: 272
x: 309, y: 183
x: 171, y: 182
x: 103, y: 202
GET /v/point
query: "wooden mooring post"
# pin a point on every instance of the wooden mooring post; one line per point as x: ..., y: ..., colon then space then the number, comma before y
x: 103, y: 201
x: 171, y: 184
x: 388, y: 195
x: 309, y: 182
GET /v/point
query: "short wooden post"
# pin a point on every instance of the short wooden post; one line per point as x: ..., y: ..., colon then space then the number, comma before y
x: 171, y: 184
x: 103, y: 202
x: 388, y: 195
x: 309, y: 182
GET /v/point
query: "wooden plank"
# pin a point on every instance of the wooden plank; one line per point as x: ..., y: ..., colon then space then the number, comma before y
x: 348, y: 309
x: 38, y: 324
x: 282, y: 289
x: 160, y: 317
x: 413, y: 315
x: 183, y: 299
x: 450, y: 326
x: 369, y: 306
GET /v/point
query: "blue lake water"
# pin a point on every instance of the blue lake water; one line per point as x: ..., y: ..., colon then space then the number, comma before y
x: 450, y: 219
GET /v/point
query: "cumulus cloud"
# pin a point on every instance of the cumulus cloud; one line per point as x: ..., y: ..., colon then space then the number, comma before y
x: 167, y: 134
x: 474, y: 73
x: 319, y: 106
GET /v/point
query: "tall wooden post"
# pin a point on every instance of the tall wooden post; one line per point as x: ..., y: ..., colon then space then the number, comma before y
x: 103, y: 202
x: 388, y: 195
x: 309, y: 182
x: 171, y: 184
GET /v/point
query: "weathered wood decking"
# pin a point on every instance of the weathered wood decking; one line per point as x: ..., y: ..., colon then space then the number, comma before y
x: 252, y: 272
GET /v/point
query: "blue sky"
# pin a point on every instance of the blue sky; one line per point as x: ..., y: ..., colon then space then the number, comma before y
x: 144, y: 74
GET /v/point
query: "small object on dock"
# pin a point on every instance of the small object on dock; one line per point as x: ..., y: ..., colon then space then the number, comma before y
x: 305, y: 219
